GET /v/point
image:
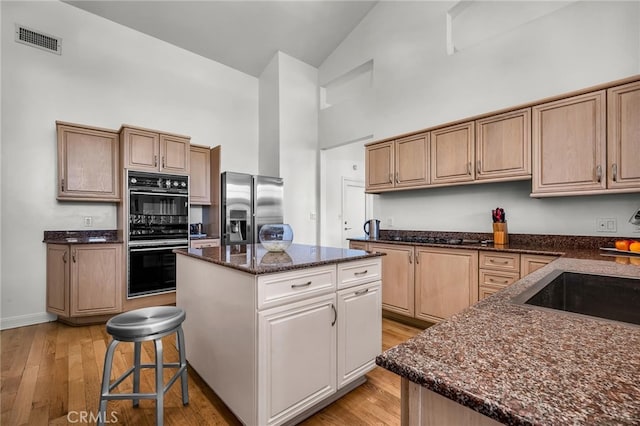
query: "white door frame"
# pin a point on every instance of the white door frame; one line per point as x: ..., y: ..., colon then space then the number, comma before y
x: 367, y: 203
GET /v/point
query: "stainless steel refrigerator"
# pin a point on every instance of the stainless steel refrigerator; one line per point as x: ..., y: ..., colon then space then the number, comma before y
x: 248, y: 202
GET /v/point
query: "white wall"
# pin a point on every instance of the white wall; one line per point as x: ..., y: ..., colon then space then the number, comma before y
x: 107, y: 75
x: 417, y: 85
x: 269, y: 158
x: 299, y: 146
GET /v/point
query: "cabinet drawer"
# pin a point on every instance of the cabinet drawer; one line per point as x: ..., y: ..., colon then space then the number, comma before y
x: 500, y: 261
x: 278, y: 289
x: 497, y: 278
x: 359, y: 272
x: 204, y: 243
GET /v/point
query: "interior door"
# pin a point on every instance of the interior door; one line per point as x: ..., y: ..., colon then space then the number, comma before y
x: 353, y: 210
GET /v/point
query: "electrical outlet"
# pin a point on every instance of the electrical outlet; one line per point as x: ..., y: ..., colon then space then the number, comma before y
x: 88, y: 221
x: 312, y: 215
x: 389, y: 221
x: 606, y: 224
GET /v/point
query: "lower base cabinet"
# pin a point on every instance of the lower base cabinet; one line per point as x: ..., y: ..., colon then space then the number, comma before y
x: 84, y: 279
x: 397, y: 276
x: 446, y: 282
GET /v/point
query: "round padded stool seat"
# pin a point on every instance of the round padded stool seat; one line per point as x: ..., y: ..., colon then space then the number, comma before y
x: 145, y: 322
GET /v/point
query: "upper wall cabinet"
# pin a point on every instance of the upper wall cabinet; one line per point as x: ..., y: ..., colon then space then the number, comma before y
x: 452, y: 154
x: 200, y: 177
x: 623, y: 142
x: 88, y: 163
x: 503, y: 146
x: 400, y: 163
x: 151, y: 151
x: 569, y: 145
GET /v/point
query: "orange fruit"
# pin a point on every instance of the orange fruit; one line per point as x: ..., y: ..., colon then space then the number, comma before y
x: 635, y: 246
x: 623, y: 244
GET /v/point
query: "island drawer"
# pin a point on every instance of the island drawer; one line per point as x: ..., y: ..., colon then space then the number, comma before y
x: 501, y: 261
x: 286, y: 287
x: 359, y: 272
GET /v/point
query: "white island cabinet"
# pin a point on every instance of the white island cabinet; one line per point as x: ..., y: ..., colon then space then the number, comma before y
x: 278, y: 337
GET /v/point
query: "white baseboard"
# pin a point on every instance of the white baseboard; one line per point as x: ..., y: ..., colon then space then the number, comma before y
x: 24, y: 320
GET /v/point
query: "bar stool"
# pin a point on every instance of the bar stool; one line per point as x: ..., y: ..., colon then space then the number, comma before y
x: 138, y: 326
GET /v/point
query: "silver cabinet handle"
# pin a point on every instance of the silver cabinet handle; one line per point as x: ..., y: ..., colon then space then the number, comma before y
x: 335, y: 315
x: 155, y: 161
x: 417, y: 259
x: 64, y: 257
x: 361, y: 273
x: 390, y: 177
x: 599, y: 173
x: 73, y: 256
x: 361, y: 292
x: 501, y: 282
x: 469, y: 168
x: 62, y: 184
x: 397, y: 178
x: 163, y: 162
x: 504, y: 262
x: 307, y: 284
x: 478, y: 164
x: 614, y: 172
x: 410, y: 259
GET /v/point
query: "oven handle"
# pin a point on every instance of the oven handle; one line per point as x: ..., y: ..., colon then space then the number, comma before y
x: 133, y: 249
x: 165, y: 194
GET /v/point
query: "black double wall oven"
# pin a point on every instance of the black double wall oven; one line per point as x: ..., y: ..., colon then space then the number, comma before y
x: 158, y: 224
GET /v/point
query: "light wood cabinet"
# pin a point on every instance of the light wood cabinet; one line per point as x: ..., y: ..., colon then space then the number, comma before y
x: 503, y: 146
x: 397, y: 277
x: 379, y: 164
x: 84, y: 279
x: 88, y: 163
x: 358, y: 245
x: 200, y: 176
x: 532, y: 262
x: 201, y: 243
x: 452, y: 154
x: 152, y: 151
x: 498, y: 270
x: 569, y: 145
x: 412, y: 161
x: 623, y: 142
x: 446, y: 282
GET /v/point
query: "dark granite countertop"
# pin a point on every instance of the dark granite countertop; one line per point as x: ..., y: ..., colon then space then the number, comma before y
x: 530, y: 366
x: 105, y: 236
x: 255, y: 259
x: 573, y: 246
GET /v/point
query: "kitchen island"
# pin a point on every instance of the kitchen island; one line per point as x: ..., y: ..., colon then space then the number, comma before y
x: 278, y: 336
x: 502, y: 362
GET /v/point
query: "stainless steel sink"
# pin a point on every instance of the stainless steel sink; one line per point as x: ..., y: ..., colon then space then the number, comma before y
x: 608, y: 297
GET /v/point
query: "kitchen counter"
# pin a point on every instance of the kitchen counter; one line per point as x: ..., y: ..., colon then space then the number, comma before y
x: 522, y: 365
x: 255, y: 259
x: 576, y: 247
x: 109, y: 236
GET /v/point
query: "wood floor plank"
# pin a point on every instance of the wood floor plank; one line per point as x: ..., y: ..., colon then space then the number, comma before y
x: 52, y: 372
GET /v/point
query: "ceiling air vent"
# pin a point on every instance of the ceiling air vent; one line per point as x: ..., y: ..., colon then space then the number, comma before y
x: 38, y: 39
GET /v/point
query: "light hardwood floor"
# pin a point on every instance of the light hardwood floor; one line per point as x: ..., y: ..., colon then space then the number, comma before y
x: 51, y: 375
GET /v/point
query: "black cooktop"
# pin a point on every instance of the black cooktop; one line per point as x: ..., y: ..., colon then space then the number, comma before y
x: 431, y: 240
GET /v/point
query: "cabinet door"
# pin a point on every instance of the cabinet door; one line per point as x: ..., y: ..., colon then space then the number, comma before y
x: 96, y: 279
x: 623, y: 142
x: 452, y: 154
x: 200, y: 176
x: 58, y: 279
x: 397, y: 277
x: 88, y: 164
x: 446, y: 282
x: 141, y: 149
x: 359, y: 330
x: 503, y: 146
x: 569, y: 145
x: 412, y: 161
x: 174, y: 154
x: 296, y: 357
x: 379, y: 164
x: 532, y: 262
